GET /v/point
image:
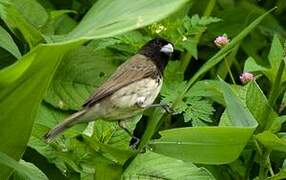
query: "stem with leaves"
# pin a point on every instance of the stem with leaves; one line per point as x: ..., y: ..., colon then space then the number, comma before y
x: 188, y: 56
x: 158, y: 117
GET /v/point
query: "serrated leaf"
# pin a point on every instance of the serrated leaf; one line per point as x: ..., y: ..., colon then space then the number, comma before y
x: 198, y: 110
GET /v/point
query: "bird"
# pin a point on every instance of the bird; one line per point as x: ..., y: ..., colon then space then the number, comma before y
x: 131, y: 89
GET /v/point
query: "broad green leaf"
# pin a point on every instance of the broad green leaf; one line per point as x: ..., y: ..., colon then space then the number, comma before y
x: 16, y: 22
x: 251, y: 66
x: 277, y: 123
x: 155, y: 166
x: 275, y: 56
x: 80, y: 72
x: 32, y: 11
x: 26, y: 170
x: 271, y: 141
x: 33, y: 170
x: 210, y: 145
x: 7, y: 43
x: 109, y: 18
x: 22, y: 87
x: 258, y: 105
x: 207, y: 88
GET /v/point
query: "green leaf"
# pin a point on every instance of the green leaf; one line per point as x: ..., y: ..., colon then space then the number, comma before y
x: 32, y: 11
x: 16, y: 22
x: 271, y: 141
x: 199, y: 111
x: 80, y: 72
x: 207, y: 88
x: 7, y: 43
x: 26, y: 170
x: 33, y: 170
x: 251, y: 66
x: 275, y: 56
x: 110, y: 133
x: 258, y: 105
x: 155, y: 166
x: 22, y: 87
x: 122, y: 18
x: 210, y: 145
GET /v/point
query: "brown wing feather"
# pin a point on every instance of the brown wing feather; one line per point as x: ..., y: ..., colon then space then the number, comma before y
x: 134, y: 69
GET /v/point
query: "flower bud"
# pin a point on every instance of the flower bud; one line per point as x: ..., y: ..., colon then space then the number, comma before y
x: 221, y: 41
x: 246, y: 77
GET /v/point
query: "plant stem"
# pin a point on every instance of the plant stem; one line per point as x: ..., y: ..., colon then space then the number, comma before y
x: 274, y: 92
x: 188, y: 56
x: 250, y: 165
x: 229, y: 71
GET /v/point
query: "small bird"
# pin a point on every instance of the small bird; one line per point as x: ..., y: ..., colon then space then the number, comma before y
x: 132, y: 88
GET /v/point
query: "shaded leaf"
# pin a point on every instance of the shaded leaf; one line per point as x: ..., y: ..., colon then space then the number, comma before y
x: 24, y: 169
x: 7, y: 43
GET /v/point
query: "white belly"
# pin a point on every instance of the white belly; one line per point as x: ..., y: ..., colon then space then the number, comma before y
x: 142, y: 92
x: 124, y: 102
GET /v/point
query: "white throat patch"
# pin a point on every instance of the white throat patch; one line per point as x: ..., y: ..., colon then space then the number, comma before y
x: 168, y: 49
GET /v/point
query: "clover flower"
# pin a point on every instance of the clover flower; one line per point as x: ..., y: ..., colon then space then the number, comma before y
x: 221, y: 41
x: 246, y: 77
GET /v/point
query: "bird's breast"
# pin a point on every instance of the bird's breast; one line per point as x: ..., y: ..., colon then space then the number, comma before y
x: 142, y: 92
x: 124, y: 102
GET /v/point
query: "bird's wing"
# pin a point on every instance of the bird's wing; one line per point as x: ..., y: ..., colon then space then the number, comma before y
x: 134, y: 69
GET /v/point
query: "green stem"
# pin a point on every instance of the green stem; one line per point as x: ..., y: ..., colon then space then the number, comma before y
x: 265, y: 165
x: 188, y: 56
x: 250, y: 164
x: 274, y: 92
x: 229, y: 71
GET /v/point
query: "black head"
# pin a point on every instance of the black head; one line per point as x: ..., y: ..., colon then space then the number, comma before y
x: 158, y: 50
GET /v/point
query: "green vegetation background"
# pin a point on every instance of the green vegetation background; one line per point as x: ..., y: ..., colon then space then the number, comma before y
x: 54, y: 53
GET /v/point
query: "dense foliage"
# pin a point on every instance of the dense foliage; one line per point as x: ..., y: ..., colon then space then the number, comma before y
x: 227, y: 94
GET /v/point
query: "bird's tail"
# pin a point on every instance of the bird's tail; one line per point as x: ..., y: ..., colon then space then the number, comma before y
x: 67, y: 123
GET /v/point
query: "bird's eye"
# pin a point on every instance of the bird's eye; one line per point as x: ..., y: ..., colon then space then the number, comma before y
x: 167, y: 49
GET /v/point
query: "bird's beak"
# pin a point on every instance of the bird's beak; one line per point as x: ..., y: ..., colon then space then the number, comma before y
x: 168, y: 49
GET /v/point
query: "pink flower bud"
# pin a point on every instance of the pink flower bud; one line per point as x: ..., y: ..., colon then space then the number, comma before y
x: 221, y: 41
x: 246, y: 77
